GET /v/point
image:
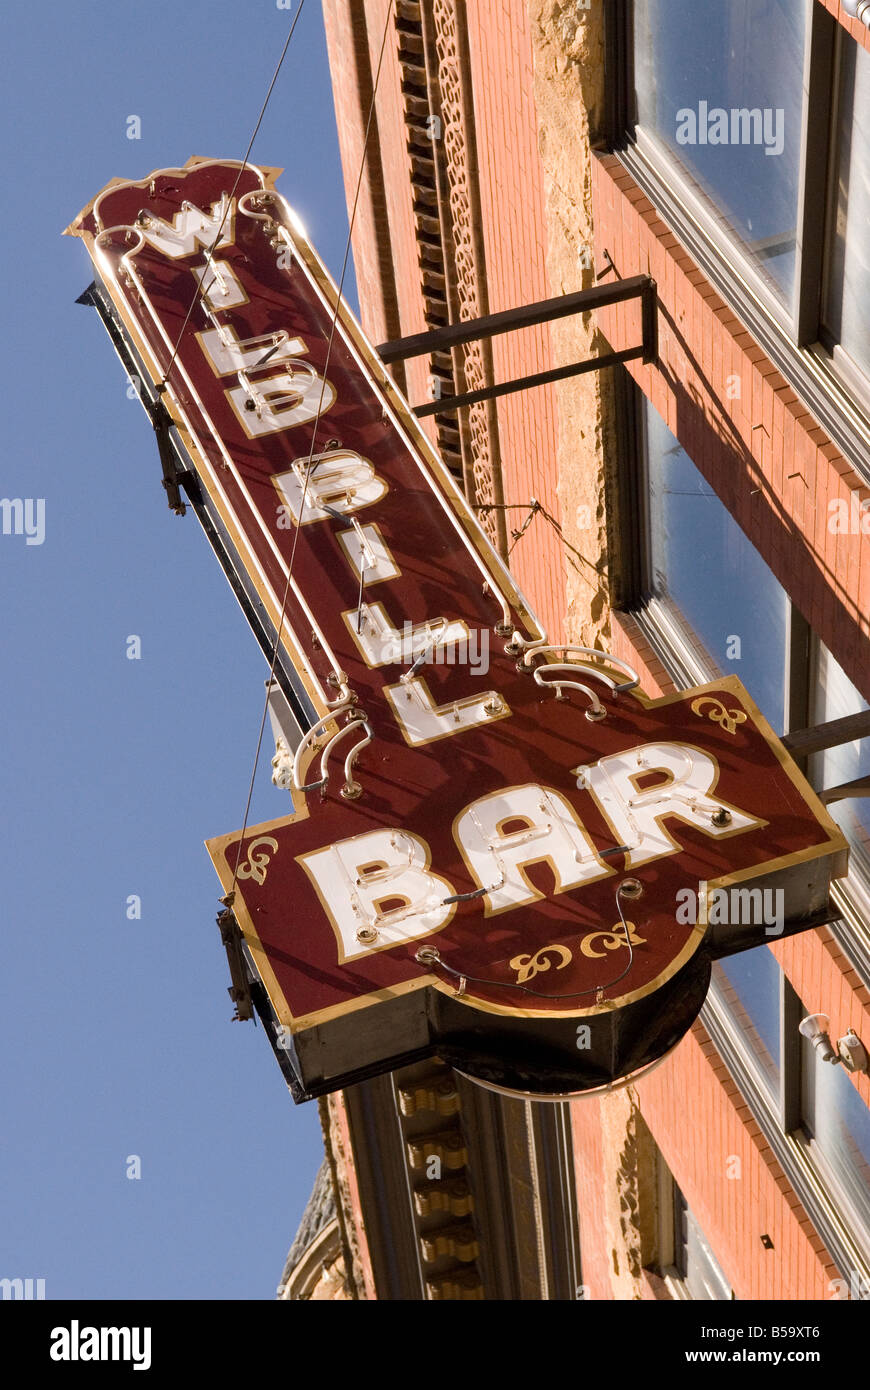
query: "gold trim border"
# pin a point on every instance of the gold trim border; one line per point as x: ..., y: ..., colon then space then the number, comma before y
x: 835, y: 845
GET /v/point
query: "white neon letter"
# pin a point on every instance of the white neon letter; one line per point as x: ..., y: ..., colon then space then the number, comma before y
x: 421, y: 720
x: 636, y: 813
x: 190, y: 229
x: 227, y: 352
x: 547, y: 831
x: 368, y: 553
x: 281, y: 402
x: 221, y: 286
x: 341, y: 480
x: 382, y: 644
x: 378, y: 890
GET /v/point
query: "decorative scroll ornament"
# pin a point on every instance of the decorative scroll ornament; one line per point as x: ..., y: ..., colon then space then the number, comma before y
x: 255, y: 864
x: 610, y: 940
x: 728, y: 718
x: 527, y: 967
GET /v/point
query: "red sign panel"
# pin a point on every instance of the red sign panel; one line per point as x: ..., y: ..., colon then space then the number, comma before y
x: 495, y: 841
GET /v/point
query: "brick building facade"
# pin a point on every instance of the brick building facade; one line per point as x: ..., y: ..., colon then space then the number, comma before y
x: 699, y: 514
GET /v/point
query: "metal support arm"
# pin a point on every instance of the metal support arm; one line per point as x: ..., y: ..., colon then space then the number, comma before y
x: 849, y: 729
x: 543, y: 311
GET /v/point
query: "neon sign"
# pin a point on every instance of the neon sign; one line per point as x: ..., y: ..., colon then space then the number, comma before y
x: 489, y: 832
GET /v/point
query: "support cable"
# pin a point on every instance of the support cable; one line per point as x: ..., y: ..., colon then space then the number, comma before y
x: 231, y: 895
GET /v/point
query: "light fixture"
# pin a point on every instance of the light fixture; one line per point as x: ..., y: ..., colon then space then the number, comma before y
x: 849, y: 1050
x: 858, y: 9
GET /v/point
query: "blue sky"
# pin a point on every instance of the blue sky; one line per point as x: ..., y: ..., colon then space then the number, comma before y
x: 117, y: 1037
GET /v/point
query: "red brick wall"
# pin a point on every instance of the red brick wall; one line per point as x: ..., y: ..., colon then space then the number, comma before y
x: 824, y: 979
x: 798, y: 1265
x: 591, y: 1179
x: 702, y: 1124
x: 512, y: 200
x: 348, y: 57
x: 512, y: 204
x: 383, y: 240
x: 858, y: 31
x: 746, y: 447
x: 828, y: 577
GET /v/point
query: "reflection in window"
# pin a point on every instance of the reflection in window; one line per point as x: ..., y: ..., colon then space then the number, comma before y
x: 704, y: 565
x: 694, y: 1259
x: 684, y: 1256
x: 834, y: 697
x: 847, y: 297
x: 748, y: 985
x: 721, y: 87
x: 838, y: 1122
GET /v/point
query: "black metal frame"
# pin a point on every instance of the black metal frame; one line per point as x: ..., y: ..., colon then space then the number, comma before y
x: 641, y: 287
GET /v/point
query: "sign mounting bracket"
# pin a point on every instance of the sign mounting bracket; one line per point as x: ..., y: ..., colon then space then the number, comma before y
x: 850, y: 729
x: 150, y: 397
x: 641, y: 287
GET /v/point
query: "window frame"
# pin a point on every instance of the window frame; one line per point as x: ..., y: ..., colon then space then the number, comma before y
x: 827, y: 381
x: 667, y: 632
x: 777, y: 1090
x: 670, y: 1248
x: 777, y: 1114
x: 826, y: 1166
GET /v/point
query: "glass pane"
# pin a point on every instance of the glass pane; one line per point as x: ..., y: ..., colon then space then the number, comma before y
x: 835, y: 696
x: 847, y: 314
x: 703, y: 563
x: 721, y: 87
x: 694, y: 1259
x: 748, y: 986
x: 839, y: 1121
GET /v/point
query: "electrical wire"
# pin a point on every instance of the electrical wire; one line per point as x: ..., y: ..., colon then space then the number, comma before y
x: 308, y: 468
x: 201, y: 283
x: 537, y: 508
x: 537, y: 993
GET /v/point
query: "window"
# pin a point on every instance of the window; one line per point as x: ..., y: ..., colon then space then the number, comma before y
x: 748, y: 986
x: 834, y: 695
x: 810, y: 1112
x: 847, y: 287
x: 837, y: 1124
x: 720, y: 88
x: 747, y: 124
x: 685, y: 1258
x: 721, y: 609
x: 697, y: 1265
x: 710, y: 578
